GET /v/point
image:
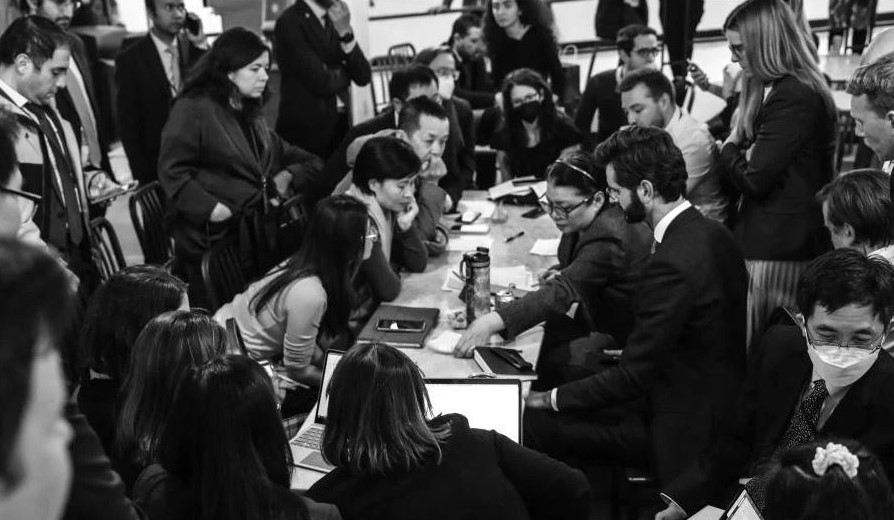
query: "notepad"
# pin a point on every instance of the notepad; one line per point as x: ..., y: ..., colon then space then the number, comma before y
x: 485, y: 207
x: 517, y: 275
x: 465, y: 243
x: 546, y: 247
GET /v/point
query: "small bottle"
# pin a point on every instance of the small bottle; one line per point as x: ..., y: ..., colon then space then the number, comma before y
x: 476, y: 271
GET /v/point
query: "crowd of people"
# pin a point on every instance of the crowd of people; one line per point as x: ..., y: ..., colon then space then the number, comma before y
x: 719, y: 315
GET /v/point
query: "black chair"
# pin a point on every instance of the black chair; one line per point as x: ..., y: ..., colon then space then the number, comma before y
x: 405, y: 50
x: 382, y: 68
x: 222, y: 273
x: 105, y: 248
x: 147, y: 212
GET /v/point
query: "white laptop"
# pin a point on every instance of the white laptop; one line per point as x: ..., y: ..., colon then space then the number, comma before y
x: 488, y: 404
x: 742, y: 508
x: 306, y: 444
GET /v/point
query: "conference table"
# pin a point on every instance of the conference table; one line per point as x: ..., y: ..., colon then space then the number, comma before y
x: 427, y: 289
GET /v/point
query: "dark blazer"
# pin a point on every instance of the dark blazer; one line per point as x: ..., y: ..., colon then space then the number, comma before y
x: 779, y: 218
x: 206, y: 158
x: 66, y: 107
x: 686, y: 353
x: 459, y: 154
x: 600, y: 99
x: 96, y: 490
x: 315, y: 71
x: 474, y: 84
x: 482, y: 475
x: 600, y: 271
x: 776, y: 381
x: 144, y: 101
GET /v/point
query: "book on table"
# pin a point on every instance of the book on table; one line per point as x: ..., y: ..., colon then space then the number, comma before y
x: 399, y: 338
x: 504, y: 363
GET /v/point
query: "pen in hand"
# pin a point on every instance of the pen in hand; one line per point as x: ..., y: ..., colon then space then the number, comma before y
x: 513, y: 237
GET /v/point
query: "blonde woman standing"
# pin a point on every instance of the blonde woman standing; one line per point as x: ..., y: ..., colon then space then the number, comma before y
x: 779, y: 153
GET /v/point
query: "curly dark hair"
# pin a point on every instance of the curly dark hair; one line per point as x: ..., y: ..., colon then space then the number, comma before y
x: 638, y: 153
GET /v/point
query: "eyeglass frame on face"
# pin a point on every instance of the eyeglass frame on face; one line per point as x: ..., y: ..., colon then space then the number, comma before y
x: 75, y: 4
x: 876, y: 341
x: 561, y: 212
x: 174, y: 7
x: 534, y: 96
x: 647, y: 52
x: 27, y: 195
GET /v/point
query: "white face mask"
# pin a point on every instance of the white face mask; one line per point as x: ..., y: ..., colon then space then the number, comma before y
x: 446, y: 84
x: 839, y: 366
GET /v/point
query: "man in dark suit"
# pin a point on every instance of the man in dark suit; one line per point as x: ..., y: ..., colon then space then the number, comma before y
x: 825, y: 375
x: 149, y: 75
x: 318, y: 58
x: 473, y: 84
x: 406, y: 84
x: 686, y: 353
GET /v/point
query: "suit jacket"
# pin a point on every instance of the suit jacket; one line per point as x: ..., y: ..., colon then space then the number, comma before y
x: 474, y: 83
x: 315, y: 71
x: 144, y: 101
x: 686, y: 353
x: 779, y: 217
x: 66, y: 106
x: 778, y: 375
x: 600, y: 270
x: 206, y: 159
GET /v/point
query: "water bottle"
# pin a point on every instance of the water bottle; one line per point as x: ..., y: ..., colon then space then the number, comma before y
x: 475, y: 267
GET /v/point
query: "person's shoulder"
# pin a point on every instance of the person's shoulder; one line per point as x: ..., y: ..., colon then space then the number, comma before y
x: 461, y: 104
x: 293, y: 14
x: 308, y: 289
x: 129, y: 57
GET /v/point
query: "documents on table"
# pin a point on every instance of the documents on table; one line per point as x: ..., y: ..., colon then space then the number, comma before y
x: 546, y: 247
x: 708, y: 513
x: 445, y: 342
x: 469, y: 242
x: 517, y: 275
x: 485, y: 207
x: 518, y: 187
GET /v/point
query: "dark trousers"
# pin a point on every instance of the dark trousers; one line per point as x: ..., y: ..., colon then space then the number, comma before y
x: 679, y: 19
x: 189, y: 269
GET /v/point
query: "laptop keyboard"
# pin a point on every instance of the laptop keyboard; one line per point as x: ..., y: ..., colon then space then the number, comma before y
x: 311, y: 438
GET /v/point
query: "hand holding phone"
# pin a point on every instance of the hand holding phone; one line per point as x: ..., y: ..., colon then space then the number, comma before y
x: 193, y: 24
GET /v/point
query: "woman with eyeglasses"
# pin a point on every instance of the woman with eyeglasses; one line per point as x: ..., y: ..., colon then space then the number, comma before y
x: 779, y: 153
x: 520, y: 35
x: 393, y: 461
x: 590, y: 289
x: 302, y: 306
x: 534, y: 133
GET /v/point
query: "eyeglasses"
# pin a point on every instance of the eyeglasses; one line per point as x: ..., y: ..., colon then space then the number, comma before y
x: 27, y: 195
x: 76, y: 4
x: 527, y: 99
x: 174, y: 7
x: 560, y: 212
x: 648, y: 52
x: 871, y: 344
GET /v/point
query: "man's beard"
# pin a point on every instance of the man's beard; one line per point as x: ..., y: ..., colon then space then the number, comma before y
x: 636, y: 211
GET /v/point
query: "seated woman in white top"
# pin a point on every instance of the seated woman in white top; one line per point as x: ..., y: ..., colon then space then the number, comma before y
x: 306, y: 300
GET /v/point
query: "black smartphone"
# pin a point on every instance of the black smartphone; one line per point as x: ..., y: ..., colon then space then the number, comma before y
x: 193, y: 24
x: 389, y: 325
x: 534, y: 213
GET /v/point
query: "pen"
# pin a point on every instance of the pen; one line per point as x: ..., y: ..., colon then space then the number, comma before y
x: 513, y: 237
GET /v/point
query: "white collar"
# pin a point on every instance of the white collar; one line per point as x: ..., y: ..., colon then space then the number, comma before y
x: 161, y: 45
x: 13, y: 94
x: 674, y: 119
x: 316, y: 9
x: 888, y: 166
x: 665, y: 222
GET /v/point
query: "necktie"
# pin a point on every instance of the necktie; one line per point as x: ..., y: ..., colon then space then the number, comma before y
x: 85, y: 114
x: 173, y: 69
x: 64, y: 169
x: 801, y: 429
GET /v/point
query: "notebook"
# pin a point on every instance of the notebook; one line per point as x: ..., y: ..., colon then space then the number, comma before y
x: 490, y: 362
x: 307, y: 442
x: 370, y: 334
x: 488, y: 404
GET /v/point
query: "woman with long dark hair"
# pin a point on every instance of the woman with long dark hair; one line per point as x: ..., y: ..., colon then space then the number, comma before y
x: 394, y: 463
x: 221, y: 165
x: 168, y: 347
x: 519, y: 34
x: 534, y: 133
x: 779, y: 153
x: 224, y: 454
x: 302, y: 306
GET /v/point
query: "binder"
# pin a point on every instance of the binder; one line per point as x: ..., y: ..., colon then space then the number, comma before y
x: 491, y: 362
x: 369, y: 334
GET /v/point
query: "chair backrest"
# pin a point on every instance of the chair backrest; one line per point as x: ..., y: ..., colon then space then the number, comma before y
x: 222, y: 273
x: 382, y: 68
x: 105, y: 248
x: 406, y: 50
x: 147, y: 212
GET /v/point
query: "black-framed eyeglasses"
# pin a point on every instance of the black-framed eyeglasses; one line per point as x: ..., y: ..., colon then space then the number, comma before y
x: 34, y: 198
x: 559, y: 211
x: 648, y: 52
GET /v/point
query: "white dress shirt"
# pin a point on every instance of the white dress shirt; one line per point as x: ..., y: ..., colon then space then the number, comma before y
x: 698, y: 147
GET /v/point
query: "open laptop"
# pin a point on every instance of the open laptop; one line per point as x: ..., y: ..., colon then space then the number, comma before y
x: 306, y: 444
x: 742, y: 508
x: 488, y: 404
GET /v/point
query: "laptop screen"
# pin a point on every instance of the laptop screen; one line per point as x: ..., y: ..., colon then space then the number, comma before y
x: 332, y: 359
x: 493, y: 404
x: 742, y: 509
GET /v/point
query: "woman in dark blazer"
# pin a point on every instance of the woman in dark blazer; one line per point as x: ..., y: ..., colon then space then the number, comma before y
x: 392, y: 463
x: 590, y: 290
x: 220, y: 162
x: 779, y: 154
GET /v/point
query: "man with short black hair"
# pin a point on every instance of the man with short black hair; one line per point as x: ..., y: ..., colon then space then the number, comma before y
x: 823, y: 375
x: 686, y: 353
x: 872, y: 106
x: 647, y: 97
x: 473, y: 84
x: 600, y: 112
x: 859, y: 213
x: 148, y: 75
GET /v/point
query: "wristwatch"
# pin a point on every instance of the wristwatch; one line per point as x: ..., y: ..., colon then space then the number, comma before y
x: 347, y: 38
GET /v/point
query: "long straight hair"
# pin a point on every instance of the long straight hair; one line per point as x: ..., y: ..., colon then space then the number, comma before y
x: 331, y: 250
x: 226, y: 442
x: 549, y: 116
x: 775, y: 46
x: 376, y: 423
x: 168, y: 347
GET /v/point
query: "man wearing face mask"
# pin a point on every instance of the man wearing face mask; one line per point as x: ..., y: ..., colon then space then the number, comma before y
x: 823, y: 376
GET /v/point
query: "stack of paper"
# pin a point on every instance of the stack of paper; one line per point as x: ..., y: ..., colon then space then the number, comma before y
x: 519, y: 186
x: 518, y: 275
x: 546, y: 247
x: 469, y: 243
x: 485, y: 207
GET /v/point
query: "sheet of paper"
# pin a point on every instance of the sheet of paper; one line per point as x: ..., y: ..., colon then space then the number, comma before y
x: 518, y: 275
x: 539, y: 188
x: 445, y: 342
x: 485, y: 207
x: 452, y: 282
x: 508, y: 188
x: 468, y: 242
x: 546, y: 247
x: 708, y: 513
